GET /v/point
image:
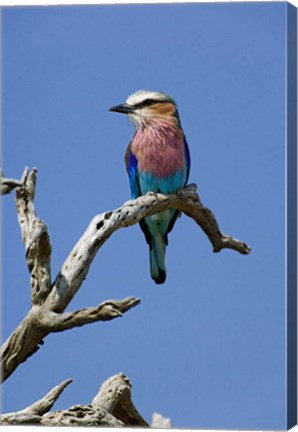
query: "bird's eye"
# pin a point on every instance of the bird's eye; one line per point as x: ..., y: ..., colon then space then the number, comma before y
x: 147, y: 103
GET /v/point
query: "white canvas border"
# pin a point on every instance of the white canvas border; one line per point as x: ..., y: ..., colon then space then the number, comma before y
x: 10, y: 3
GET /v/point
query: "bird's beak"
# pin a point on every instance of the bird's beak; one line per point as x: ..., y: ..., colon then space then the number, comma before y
x: 124, y: 108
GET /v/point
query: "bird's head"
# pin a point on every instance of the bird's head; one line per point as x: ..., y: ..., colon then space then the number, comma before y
x: 148, y: 108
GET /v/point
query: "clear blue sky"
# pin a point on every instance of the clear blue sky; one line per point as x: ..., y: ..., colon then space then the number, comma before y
x: 206, y: 349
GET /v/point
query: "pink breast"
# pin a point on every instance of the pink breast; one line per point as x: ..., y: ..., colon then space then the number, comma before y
x: 159, y: 151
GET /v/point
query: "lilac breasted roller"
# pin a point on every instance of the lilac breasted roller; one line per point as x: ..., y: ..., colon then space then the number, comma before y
x: 157, y: 160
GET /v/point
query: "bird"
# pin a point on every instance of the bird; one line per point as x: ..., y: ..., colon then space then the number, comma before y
x: 157, y: 160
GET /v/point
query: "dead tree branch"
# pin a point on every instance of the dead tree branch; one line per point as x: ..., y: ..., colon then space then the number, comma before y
x: 49, y: 300
x: 8, y: 185
x: 43, y: 318
x: 112, y: 406
x: 115, y: 396
x: 104, y: 225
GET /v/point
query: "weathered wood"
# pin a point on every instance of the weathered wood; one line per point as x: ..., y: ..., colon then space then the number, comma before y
x: 81, y: 415
x: 41, y: 321
x: 160, y: 422
x: 108, y: 310
x: 33, y: 413
x: 50, y: 300
x: 104, y: 225
x: 35, y: 238
x: 112, y: 406
x: 7, y: 184
x: 115, y: 396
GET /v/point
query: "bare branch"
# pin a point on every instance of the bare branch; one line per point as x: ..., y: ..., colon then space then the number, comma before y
x: 19, y: 419
x: 45, y: 404
x: 115, y: 396
x: 76, y: 266
x: 33, y: 413
x: 50, y: 300
x: 38, y: 254
x: 106, y: 311
x: 111, y: 407
x: 23, y: 342
x: 35, y: 237
x: 24, y: 201
x: 8, y: 185
x: 40, y: 321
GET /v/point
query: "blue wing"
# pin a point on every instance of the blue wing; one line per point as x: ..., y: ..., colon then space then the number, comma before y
x: 132, y: 170
x: 131, y: 163
x: 155, y: 229
x: 187, y: 159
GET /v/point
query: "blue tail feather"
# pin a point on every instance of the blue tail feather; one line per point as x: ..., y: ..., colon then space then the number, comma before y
x: 157, y: 259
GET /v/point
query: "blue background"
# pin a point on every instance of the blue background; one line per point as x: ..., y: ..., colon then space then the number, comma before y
x: 207, y: 349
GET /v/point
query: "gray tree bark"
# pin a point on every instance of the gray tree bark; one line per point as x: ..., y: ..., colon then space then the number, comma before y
x: 112, y: 406
x: 50, y: 299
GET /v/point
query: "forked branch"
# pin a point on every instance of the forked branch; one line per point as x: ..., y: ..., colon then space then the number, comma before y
x: 49, y: 300
x: 8, y: 184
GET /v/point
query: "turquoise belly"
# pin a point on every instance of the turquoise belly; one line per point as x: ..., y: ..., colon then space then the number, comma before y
x: 166, y: 185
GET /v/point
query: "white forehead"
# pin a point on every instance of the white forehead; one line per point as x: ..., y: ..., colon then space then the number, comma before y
x: 142, y: 95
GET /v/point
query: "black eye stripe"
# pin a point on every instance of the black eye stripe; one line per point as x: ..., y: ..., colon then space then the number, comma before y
x: 148, y: 102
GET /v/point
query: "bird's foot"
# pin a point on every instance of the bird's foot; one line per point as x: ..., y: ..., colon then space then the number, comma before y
x: 153, y: 194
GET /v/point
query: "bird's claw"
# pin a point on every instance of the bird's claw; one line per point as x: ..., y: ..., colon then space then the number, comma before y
x: 153, y: 194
